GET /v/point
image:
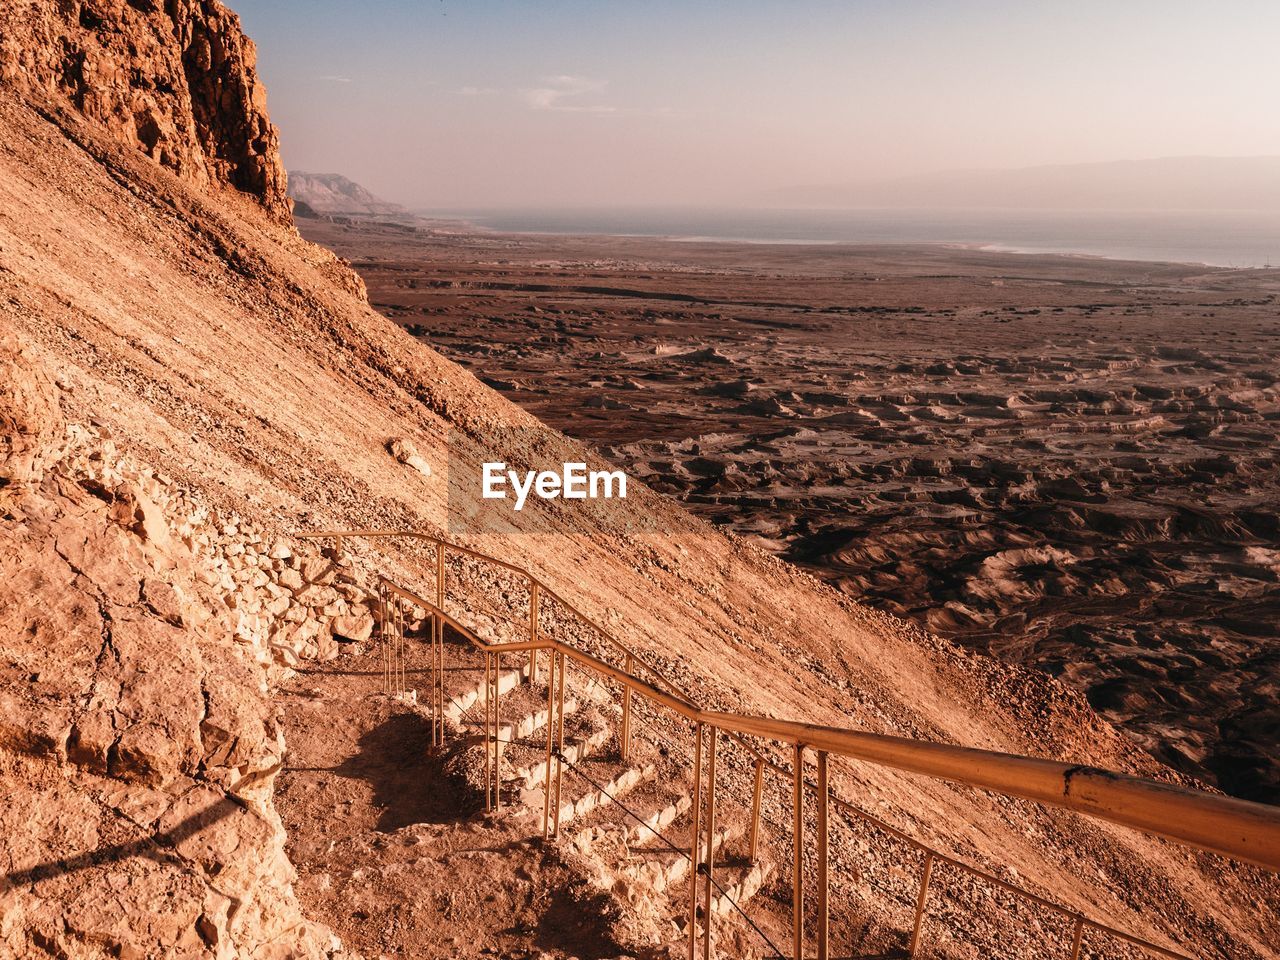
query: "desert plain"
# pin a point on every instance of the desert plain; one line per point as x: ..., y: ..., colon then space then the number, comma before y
x: 1067, y: 462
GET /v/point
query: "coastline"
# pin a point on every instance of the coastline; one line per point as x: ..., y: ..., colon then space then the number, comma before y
x: 1235, y: 240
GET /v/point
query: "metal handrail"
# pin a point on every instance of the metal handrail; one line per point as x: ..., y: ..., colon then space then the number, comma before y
x: 1238, y: 829
x: 544, y: 590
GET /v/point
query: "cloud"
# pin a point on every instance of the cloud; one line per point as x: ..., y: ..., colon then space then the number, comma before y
x: 560, y: 94
x: 476, y: 91
x: 337, y: 79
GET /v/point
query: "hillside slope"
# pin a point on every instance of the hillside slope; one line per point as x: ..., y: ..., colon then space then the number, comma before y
x: 217, y: 346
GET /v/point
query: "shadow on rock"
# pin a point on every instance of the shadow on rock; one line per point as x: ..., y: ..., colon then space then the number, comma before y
x: 163, y: 847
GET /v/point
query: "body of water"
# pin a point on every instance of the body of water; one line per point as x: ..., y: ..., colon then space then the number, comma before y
x: 1229, y: 238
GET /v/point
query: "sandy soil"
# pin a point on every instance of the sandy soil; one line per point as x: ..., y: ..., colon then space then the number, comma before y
x: 1068, y: 463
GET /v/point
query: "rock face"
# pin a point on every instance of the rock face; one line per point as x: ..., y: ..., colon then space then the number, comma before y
x: 138, y: 743
x: 177, y: 80
x: 29, y: 414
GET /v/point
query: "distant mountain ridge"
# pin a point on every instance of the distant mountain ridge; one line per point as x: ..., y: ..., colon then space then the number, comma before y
x: 326, y: 193
x: 1166, y: 183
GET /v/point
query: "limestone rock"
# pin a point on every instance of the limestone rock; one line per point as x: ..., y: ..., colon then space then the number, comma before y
x: 30, y: 420
x: 318, y: 570
x: 352, y: 628
x: 405, y: 452
x: 138, y: 745
x: 326, y: 648
x: 135, y: 510
x: 163, y: 600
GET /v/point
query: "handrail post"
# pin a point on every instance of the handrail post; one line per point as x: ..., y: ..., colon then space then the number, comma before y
x: 564, y: 668
x: 824, y: 854
x: 625, y: 736
x: 436, y: 728
x: 696, y: 854
x: 382, y: 629
x: 797, y: 855
x: 921, y: 899
x: 533, y: 631
x: 395, y: 648
x: 754, y: 848
x: 1077, y: 937
x: 402, y: 684
x: 709, y: 914
x: 440, y: 674
x: 497, y: 733
x: 440, y: 575
x: 488, y: 707
x: 551, y: 728
x: 386, y: 647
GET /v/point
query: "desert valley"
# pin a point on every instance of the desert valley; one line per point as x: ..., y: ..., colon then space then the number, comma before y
x: 1066, y: 462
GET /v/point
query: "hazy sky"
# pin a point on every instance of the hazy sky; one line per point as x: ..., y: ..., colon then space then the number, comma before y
x: 478, y: 103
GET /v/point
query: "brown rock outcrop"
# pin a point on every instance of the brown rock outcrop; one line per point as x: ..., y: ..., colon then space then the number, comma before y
x: 29, y: 414
x: 138, y: 743
x: 177, y: 80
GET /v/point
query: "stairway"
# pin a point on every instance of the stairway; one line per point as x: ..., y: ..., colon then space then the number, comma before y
x: 629, y: 812
x: 631, y: 819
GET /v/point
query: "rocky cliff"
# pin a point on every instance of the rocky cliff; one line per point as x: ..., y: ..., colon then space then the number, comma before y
x: 138, y: 741
x: 175, y: 79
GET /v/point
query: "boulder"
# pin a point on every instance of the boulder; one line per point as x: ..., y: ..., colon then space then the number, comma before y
x: 405, y: 452
x: 319, y: 570
x: 352, y: 628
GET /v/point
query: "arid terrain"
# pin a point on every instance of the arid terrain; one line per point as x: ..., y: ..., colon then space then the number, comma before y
x: 198, y: 756
x: 1069, y: 463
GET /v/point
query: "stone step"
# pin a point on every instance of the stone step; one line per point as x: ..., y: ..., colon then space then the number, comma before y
x: 456, y: 706
x: 615, y: 789
x: 525, y: 727
x: 630, y: 833
x: 660, y: 870
x: 743, y: 890
x: 659, y: 820
x: 535, y: 775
